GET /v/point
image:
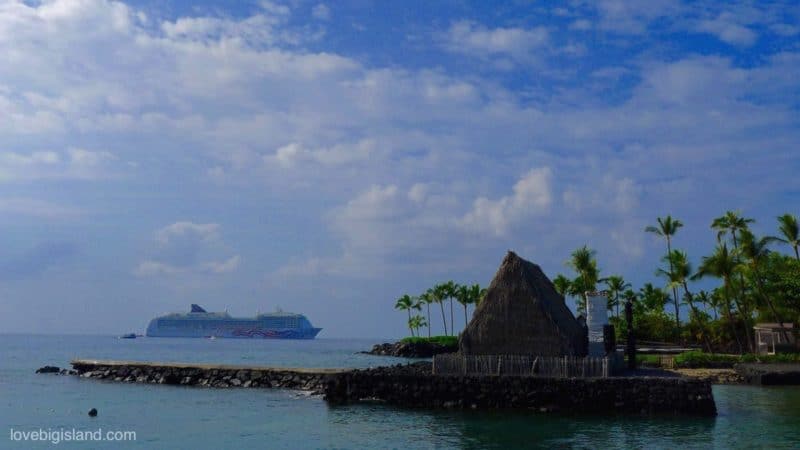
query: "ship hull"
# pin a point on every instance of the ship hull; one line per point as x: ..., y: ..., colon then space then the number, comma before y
x: 237, y: 333
x: 199, y: 323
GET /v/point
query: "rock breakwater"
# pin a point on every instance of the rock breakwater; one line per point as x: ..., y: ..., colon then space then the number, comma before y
x: 411, y: 349
x: 204, y: 375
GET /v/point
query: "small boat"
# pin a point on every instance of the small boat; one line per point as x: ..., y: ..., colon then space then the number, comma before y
x: 128, y: 336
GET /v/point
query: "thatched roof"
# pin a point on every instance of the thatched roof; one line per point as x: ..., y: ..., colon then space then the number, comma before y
x: 522, y: 314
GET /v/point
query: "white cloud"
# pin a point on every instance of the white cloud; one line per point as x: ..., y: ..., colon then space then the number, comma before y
x: 785, y: 29
x: 580, y: 25
x: 634, y: 17
x: 72, y: 164
x: 532, y: 197
x: 726, y: 29
x: 227, y: 266
x: 202, y: 231
x: 295, y: 154
x: 87, y: 158
x: 477, y: 40
x: 321, y: 12
x: 188, y: 248
x: 40, y: 209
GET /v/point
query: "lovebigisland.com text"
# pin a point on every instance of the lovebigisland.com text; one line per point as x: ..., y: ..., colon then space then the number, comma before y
x: 59, y: 435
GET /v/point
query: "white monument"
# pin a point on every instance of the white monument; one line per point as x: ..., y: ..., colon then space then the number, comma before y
x: 596, y: 318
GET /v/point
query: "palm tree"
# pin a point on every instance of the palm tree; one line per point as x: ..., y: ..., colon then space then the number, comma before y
x: 667, y: 227
x: 451, y: 290
x: 722, y: 264
x: 790, y: 231
x: 732, y: 222
x: 476, y: 294
x: 463, y: 296
x: 427, y: 298
x: 439, y: 293
x: 584, y: 263
x: 616, y: 285
x: 708, y: 301
x: 562, y: 285
x: 416, y: 322
x: 679, y: 276
x: 652, y: 298
x: 755, y: 251
x: 407, y: 303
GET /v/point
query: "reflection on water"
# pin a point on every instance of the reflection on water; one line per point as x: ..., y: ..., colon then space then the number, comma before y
x: 502, y: 430
x: 749, y: 417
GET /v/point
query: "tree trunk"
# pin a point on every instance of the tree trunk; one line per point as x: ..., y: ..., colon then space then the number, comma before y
x: 465, y: 316
x: 730, y: 315
x: 689, y: 299
x: 452, y: 319
x: 759, y: 285
x: 409, y: 323
x: 674, y: 290
x: 428, y: 304
x: 742, y: 311
x: 444, y: 320
x: 796, y: 253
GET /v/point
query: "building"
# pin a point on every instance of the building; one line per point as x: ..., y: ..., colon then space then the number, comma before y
x: 771, y: 338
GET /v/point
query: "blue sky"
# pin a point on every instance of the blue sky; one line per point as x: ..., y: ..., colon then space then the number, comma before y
x: 329, y: 157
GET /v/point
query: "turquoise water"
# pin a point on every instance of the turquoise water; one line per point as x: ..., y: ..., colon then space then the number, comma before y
x: 183, y: 417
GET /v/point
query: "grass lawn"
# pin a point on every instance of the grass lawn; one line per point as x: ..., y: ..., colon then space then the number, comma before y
x: 448, y: 341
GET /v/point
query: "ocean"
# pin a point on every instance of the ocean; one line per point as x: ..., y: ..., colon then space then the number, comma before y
x: 175, y: 417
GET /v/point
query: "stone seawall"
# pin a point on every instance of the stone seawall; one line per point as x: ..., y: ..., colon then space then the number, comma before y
x: 414, y: 385
x: 640, y: 395
x: 769, y: 374
x: 218, y: 376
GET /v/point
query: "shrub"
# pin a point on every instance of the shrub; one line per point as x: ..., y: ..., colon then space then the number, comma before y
x: 447, y: 341
x: 697, y: 359
x: 647, y: 360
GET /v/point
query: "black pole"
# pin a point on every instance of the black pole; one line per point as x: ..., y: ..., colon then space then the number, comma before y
x: 631, y: 340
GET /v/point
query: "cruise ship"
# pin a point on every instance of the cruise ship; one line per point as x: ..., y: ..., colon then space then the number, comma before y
x: 200, y: 323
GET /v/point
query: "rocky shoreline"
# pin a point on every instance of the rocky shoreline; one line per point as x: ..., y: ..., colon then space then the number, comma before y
x: 410, y: 349
x: 713, y: 376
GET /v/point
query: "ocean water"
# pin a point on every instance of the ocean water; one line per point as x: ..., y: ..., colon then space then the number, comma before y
x: 174, y: 417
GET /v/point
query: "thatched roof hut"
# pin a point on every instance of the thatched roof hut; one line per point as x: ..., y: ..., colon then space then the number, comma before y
x: 522, y: 314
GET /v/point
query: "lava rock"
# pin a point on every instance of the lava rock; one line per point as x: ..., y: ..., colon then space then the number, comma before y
x: 410, y: 349
x: 48, y: 369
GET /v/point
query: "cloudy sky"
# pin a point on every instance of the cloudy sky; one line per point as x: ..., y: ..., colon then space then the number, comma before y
x: 329, y: 157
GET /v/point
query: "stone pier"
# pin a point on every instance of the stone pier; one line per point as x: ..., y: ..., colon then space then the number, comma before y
x: 205, y: 375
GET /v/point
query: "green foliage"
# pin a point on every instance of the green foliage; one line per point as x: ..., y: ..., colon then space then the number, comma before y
x: 648, y: 360
x: 448, y: 341
x: 698, y: 359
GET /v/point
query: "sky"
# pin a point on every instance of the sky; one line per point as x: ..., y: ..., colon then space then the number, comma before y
x: 329, y: 157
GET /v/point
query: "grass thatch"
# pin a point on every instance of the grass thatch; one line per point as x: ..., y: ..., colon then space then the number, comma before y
x: 522, y: 314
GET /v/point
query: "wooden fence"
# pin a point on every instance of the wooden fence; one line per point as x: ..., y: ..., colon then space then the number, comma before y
x: 529, y: 366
